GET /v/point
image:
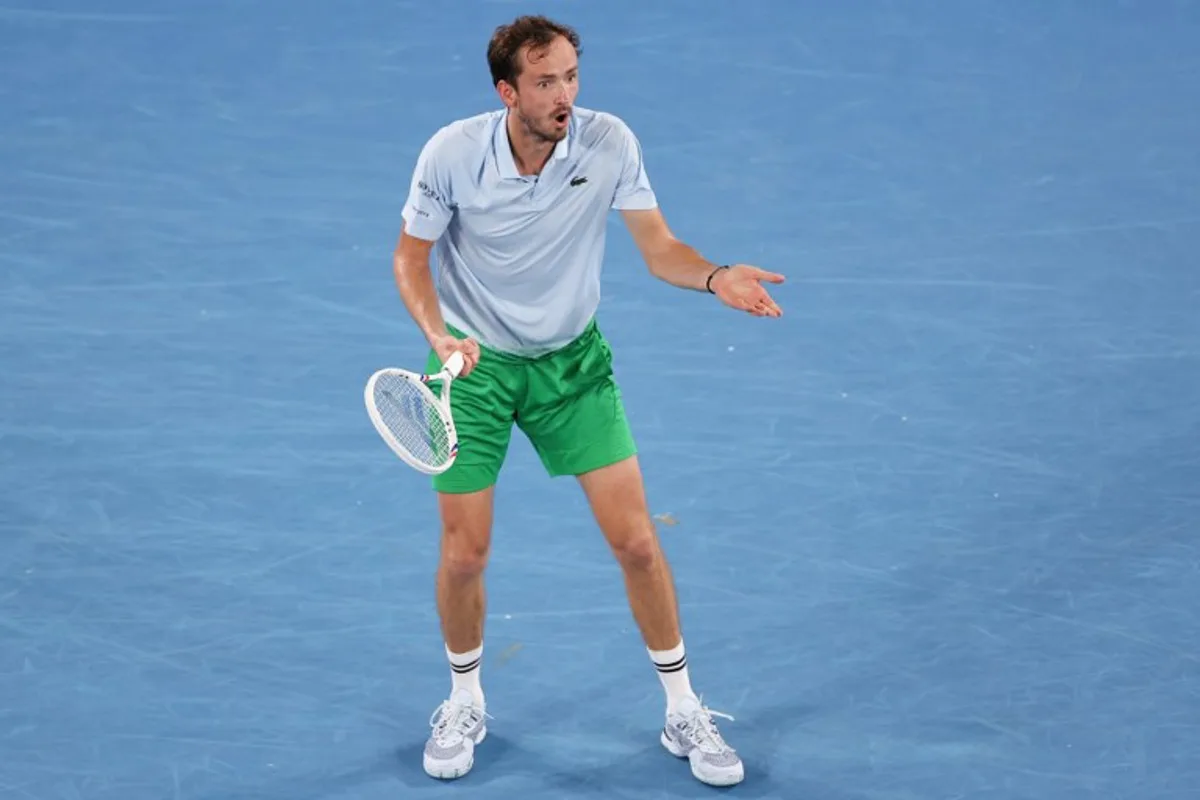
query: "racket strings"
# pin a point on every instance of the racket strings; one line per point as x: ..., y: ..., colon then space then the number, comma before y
x: 410, y: 417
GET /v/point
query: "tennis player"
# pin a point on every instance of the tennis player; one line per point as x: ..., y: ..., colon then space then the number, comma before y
x: 513, y: 206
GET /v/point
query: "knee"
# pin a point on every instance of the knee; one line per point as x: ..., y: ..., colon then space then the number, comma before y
x: 464, y: 552
x: 639, y: 550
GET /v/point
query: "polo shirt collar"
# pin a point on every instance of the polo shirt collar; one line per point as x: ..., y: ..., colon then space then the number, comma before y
x: 505, y: 162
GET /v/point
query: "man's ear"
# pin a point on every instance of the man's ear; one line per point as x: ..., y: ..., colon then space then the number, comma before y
x: 508, y: 93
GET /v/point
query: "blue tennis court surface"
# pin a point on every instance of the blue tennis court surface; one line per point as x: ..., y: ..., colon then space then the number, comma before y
x: 935, y: 531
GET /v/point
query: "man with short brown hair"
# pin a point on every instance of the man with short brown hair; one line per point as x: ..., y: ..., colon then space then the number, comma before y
x: 513, y: 205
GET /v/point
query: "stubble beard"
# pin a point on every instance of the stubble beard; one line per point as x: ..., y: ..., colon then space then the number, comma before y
x: 542, y: 136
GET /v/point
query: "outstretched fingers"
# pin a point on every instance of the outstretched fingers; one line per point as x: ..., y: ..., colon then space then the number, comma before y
x: 742, y: 288
x: 760, y: 304
x: 763, y: 275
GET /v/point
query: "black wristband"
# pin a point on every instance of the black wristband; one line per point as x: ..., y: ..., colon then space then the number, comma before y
x: 711, y: 275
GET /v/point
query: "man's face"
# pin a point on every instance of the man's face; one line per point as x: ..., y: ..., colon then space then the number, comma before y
x: 546, y: 89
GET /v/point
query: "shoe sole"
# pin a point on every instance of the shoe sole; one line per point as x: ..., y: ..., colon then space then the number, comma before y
x: 453, y: 773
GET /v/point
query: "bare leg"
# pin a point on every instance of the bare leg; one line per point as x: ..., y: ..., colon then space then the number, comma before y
x: 466, y: 541
x: 466, y: 538
x: 618, y: 501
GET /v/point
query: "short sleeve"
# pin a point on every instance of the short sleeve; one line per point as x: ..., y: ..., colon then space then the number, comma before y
x: 430, y: 205
x: 633, y: 192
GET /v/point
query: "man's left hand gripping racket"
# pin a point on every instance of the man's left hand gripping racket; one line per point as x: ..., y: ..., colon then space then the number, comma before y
x: 412, y: 420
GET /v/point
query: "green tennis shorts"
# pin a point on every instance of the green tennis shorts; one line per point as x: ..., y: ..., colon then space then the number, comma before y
x: 566, y: 402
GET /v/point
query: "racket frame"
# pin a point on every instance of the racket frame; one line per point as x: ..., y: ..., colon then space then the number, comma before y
x: 441, y: 405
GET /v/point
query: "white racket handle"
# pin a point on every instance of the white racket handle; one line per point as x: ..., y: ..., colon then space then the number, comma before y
x: 454, y: 364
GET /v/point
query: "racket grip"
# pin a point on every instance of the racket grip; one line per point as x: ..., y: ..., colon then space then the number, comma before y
x: 454, y: 364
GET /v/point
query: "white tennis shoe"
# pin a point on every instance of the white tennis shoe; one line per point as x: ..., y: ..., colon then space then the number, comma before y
x: 458, y: 725
x: 691, y: 733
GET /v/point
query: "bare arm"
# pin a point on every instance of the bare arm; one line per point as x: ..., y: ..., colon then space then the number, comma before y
x: 668, y: 259
x: 738, y: 286
x: 414, y: 279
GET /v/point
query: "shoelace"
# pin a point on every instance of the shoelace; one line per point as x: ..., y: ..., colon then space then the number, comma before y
x: 454, y: 720
x: 702, y: 731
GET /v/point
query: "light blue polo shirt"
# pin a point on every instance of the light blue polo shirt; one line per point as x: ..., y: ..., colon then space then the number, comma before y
x: 518, y: 258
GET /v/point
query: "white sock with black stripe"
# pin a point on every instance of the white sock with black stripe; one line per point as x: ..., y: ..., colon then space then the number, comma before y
x: 673, y: 672
x: 464, y: 672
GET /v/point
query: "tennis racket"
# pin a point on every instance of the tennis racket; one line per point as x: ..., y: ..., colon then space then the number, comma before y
x: 413, y: 421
